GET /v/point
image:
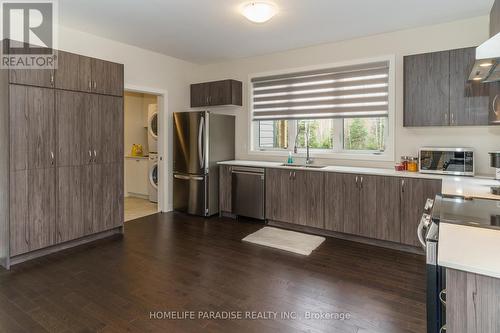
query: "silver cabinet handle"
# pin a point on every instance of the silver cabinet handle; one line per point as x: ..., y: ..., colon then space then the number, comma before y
x: 290, y: 175
x: 90, y: 155
x: 90, y: 84
x: 52, y: 79
x: 442, y: 329
x: 402, y: 185
x: 361, y: 183
x: 95, y: 84
x: 52, y: 157
x: 357, y: 180
x: 442, y: 297
x: 188, y: 177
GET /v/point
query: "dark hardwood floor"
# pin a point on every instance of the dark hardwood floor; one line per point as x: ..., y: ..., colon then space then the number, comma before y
x: 173, y: 262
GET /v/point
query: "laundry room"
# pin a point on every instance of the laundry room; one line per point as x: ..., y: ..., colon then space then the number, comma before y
x: 141, y: 154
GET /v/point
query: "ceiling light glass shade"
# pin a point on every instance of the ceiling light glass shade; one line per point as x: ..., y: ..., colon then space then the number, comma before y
x: 259, y: 12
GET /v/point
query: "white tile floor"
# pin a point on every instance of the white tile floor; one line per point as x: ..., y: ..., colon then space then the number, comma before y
x: 136, y: 208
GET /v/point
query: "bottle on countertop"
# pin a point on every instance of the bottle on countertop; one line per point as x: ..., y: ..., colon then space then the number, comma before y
x: 290, y: 158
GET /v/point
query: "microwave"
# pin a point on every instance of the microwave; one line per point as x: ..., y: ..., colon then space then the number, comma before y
x: 446, y: 161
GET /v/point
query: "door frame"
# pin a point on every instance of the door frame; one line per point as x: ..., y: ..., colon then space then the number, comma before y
x: 164, y: 135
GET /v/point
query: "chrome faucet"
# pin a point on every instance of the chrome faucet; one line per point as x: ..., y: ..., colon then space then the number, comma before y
x: 309, y: 160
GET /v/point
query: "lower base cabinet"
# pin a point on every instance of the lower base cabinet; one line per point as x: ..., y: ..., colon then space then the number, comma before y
x: 295, y: 197
x: 378, y: 207
x: 363, y: 205
x: 472, y: 303
x: 225, y: 188
x: 414, y: 194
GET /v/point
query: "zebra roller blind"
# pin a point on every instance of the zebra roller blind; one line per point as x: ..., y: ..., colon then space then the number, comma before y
x: 342, y: 92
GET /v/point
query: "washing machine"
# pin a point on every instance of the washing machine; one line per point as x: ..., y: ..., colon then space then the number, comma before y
x: 153, y: 128
x: 153, y: 177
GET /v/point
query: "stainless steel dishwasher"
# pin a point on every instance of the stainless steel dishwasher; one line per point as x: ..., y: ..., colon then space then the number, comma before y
x: 248, y: 192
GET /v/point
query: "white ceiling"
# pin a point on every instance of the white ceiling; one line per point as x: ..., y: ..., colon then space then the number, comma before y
x: 207, y: 31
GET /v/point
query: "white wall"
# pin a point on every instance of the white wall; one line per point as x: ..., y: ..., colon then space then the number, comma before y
x: 134, y: 121
x: 143, y: 68
x: 470, y: 32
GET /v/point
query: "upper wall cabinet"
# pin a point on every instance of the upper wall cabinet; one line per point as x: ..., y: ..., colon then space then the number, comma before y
x: 437, y: 91
x: 216, y: 93
x: 74, y: 72
x: 427, y: 89
x: 32, y: 77
x: 469, y: 100
x: 80, y: 73
x: 495, y: 18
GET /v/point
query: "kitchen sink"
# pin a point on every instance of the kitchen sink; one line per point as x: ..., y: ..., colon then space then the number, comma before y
x: 308, y: 166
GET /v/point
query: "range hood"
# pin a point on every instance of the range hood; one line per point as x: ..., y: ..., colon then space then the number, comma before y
x: 486, y: 68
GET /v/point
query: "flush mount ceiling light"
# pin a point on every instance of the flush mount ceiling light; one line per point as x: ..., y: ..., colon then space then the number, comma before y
x: 259, y: 12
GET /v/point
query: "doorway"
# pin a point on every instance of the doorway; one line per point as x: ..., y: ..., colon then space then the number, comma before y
x: 143, y: 185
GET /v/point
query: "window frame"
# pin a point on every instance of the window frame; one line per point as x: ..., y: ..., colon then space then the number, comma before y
x: 338, y: 151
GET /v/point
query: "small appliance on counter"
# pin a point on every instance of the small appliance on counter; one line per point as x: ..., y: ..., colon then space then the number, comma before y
x: 495, y: 163
x: 446, y: 161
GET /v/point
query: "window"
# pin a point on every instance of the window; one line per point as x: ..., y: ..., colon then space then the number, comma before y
x: 343, y: 109
x: 365, y: 134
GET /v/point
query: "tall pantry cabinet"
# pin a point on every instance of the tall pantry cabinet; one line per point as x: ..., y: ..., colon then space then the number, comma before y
x: 61, y: 135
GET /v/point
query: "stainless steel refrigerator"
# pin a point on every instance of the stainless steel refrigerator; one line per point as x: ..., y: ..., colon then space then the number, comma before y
x: 201, y: 139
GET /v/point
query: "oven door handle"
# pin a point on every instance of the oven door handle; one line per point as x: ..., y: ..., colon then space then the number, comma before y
x: 422, y: 228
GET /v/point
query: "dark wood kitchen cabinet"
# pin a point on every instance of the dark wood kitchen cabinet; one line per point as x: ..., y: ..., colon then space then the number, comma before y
x: 414, y: 194
x: 64, y: 173
x: 427, y: 89
x: 472, y: 304
x: 80, y: 73
x: 342, y: 203
x: 437, y: 90
x: 107, y: 77
x: 225, y: 189
x: 379, y: 208
x: 216, y: 93
x: 32, y: 77
x: 362, y: 205
x: 469, y: 100
x: 280, y: 195
x: 295, y: 196
x: 32, y: 123
x: 309, y: 198
x: 74, y: 72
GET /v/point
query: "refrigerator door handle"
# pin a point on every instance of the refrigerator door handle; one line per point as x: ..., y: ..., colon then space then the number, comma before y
x: 199, y: 178
x: 201, y: 154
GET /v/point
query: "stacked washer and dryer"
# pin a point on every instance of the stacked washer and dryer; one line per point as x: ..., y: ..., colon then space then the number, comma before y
x: 153, y: 152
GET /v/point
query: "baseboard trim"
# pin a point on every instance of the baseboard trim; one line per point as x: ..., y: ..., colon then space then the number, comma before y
x: 63, y: 246
x: 353, y: 238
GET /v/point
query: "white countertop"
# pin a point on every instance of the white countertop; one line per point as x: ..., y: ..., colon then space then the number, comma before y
x: 476, y: 187
x: 469, y: 249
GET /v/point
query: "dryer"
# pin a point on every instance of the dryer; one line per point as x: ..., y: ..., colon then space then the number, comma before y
x: 153, y: 177
x: 153, y: 128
